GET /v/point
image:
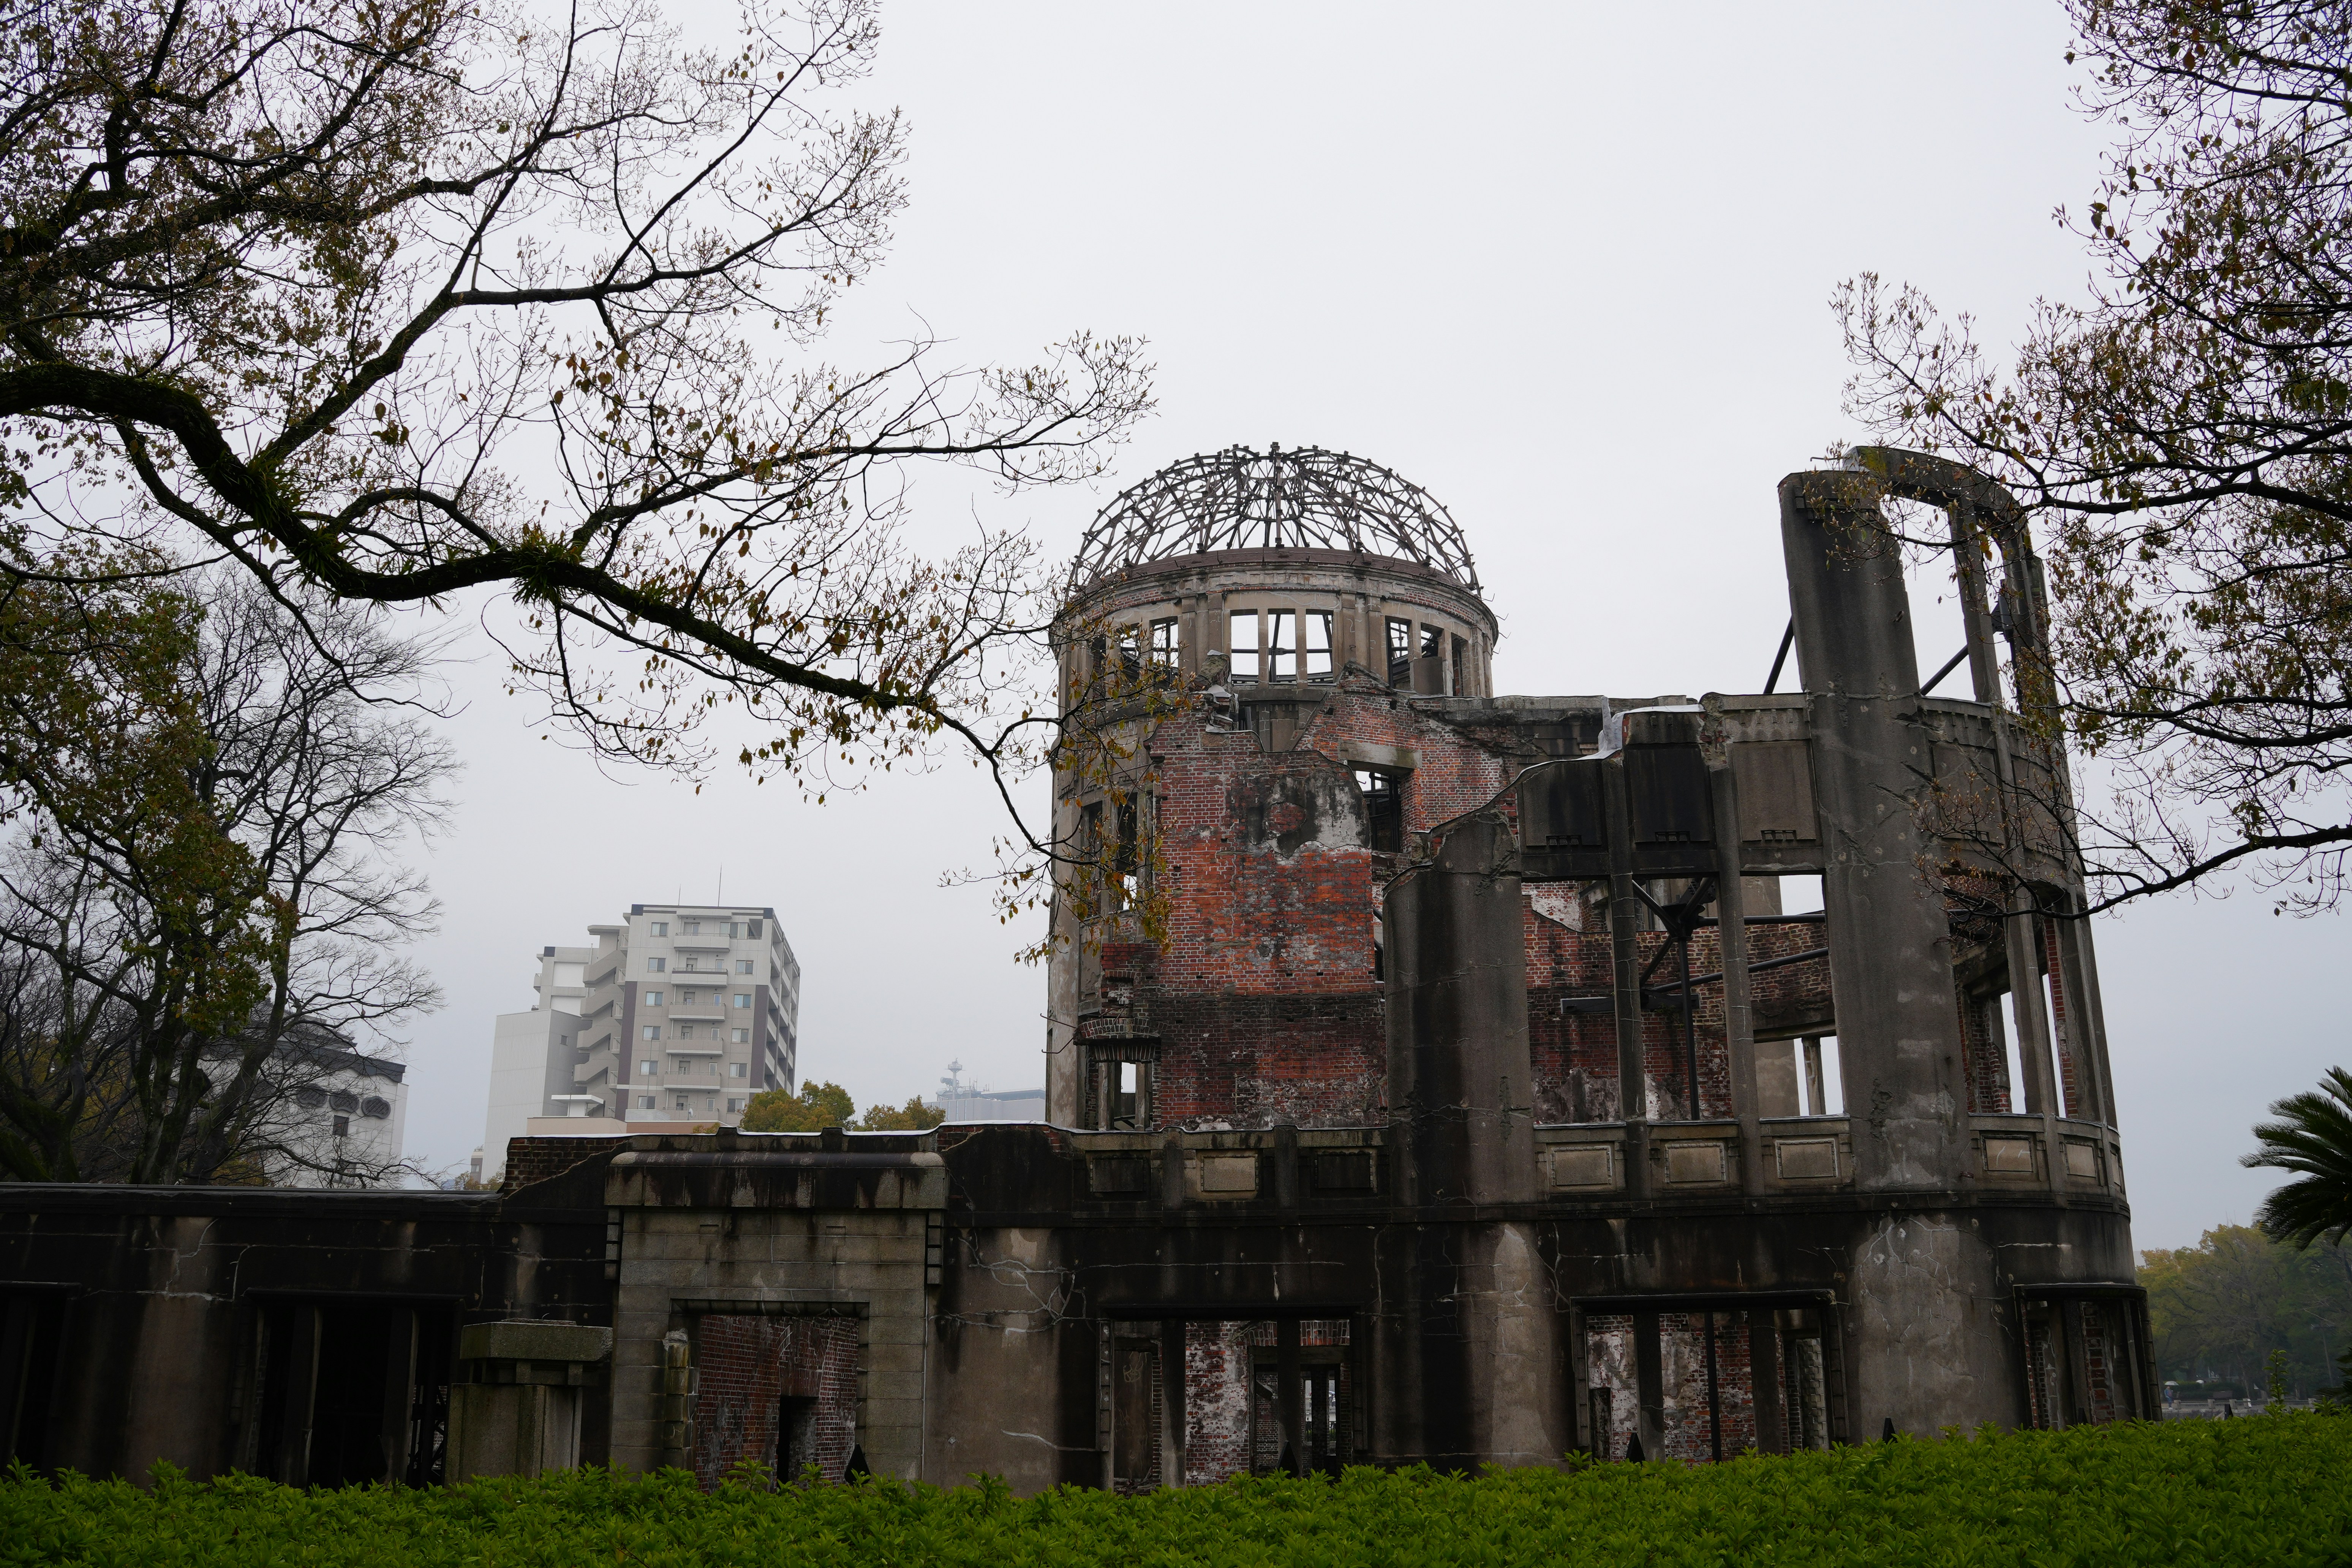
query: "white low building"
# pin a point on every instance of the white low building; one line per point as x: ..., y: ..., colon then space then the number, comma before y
x: 343, y: 1123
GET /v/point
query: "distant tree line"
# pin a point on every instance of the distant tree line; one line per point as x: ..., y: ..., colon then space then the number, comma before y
x: 817, y: 1106
x: 2282, y: 1285
x: 2219, y: 1309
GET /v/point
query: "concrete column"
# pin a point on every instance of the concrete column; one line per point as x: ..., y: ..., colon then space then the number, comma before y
x: 1625, y: 916
x: 1731, y: 928
x: 1458, y: 1068
x: 1890, y: 957
x: 519, y: 1411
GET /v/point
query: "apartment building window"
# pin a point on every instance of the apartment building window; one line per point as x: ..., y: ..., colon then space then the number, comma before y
x: 653, y: 1032
x: 742, y: 966
x: 1399, y: 652
x: 686, y: 1031
x: 739, y: 1069
x: 1163, y: 643
x: 1244, y: 648
x: 648, y: 1066
x: 686, y: 997
x: 343, y: 1126
x: 733, y: 1103
x: 1316, y: 624
x: 742, y: 1035
x: 750, y: 928
x: 691, y: 928
x: 656, y: 965
x: 684, y: 1103
x: 653, y: 998
x: 743, y: 999
x: 1281, y: 645
x: 644, y: 1102
x: 659, y: 928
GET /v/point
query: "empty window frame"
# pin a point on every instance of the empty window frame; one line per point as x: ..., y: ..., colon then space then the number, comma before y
x: 1282, y: 645
x: 1164, y: 648
x: 1316, y: 655
x: 1383, y: 811
x: 1432, y: 642
x: 1244, y: 648
x: 1129, y: 643
x: 1399, y: 652
x: 1461, y: 658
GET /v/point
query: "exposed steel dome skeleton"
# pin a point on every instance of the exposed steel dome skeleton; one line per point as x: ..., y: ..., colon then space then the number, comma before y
x: 1241, y: 499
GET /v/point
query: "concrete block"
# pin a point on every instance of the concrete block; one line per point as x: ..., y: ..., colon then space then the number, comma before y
x: 528, y: 1341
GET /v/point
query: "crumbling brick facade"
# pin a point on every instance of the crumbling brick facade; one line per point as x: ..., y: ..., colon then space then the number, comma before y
x: 781, y: 1391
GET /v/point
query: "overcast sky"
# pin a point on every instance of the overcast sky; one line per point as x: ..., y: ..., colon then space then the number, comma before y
x: 1565, y: 266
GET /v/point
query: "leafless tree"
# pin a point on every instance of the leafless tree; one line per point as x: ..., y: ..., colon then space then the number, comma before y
x: 202, y: 899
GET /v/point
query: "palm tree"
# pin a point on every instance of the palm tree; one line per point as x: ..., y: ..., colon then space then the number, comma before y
x: 2314, y: 1138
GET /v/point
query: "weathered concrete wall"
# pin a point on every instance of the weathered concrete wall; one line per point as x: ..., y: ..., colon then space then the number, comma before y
x: 157, y: 1292
x: 740, y: 1225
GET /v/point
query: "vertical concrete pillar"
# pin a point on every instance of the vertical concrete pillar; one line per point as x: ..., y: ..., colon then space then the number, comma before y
x: 1731, y: 929
x: 1923, y: 1291
x: 1890, y: 957
x: 1458, y: 1067
x: 1469, y: 1368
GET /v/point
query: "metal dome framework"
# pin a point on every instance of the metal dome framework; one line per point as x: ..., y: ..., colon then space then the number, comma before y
x: 1241, y: 499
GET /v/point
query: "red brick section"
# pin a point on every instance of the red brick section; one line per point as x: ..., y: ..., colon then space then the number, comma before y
x: 1575, y: 1055
x: 1682, y: 1344
x: 1216, y: 1402
x: 1985, y: 1049
x: 533, y: 1160
x: 1263, y: 1001
x: 2060, y: 1026
x: 2097, y: 1383
x: 746, y: 1366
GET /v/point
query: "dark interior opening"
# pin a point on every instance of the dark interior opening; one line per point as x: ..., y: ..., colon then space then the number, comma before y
x: 795, y: 1438
x: 31, y: 1327
x: 1383, y: 812
x: 348, y: 1392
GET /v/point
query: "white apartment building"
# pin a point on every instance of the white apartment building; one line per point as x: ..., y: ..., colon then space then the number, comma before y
x: 679, y: 1014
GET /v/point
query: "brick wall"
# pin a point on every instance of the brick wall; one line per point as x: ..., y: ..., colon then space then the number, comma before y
x: 533, y: 1160
x: 1984, y: 1047
x: 1263, y: 1001
x: 1681, y: 1355
x: 1216, y: 1402
x: 746, y: 1366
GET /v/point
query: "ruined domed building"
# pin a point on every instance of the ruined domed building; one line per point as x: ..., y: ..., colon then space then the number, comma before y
x: 1435, y: 1076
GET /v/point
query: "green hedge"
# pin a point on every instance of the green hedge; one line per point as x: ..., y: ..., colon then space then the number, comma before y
x: 2267, y: 1490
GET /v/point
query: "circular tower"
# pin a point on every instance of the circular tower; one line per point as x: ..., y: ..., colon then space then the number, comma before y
x: 1320, y: 613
